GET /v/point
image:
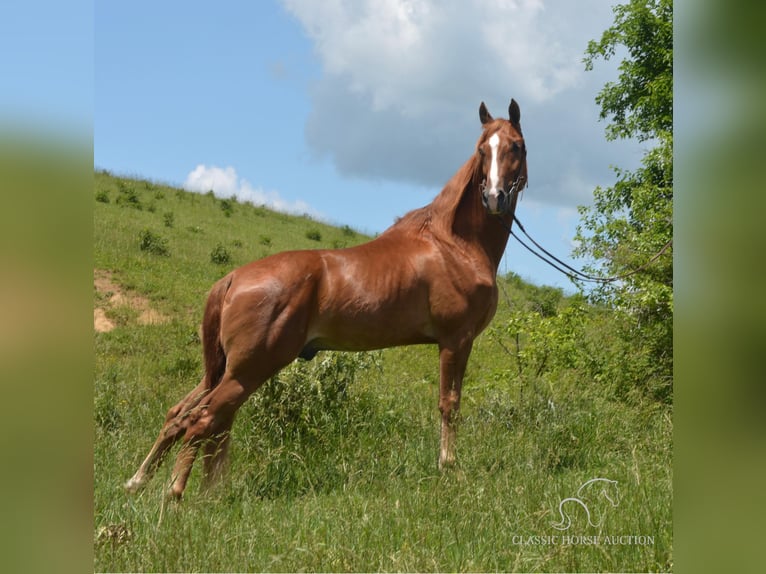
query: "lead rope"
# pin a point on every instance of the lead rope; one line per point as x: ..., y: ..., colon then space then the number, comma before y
x: 575, y: 274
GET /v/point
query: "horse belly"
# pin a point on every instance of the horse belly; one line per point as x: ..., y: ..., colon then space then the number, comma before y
x: 371, y: 313
x: 366, y: 331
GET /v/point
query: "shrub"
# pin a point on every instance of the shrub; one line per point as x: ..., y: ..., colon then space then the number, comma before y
x: 103, y: 196
x: 314, y: 235
x: 153, y: 243
x: 301, y: 423
x: 307, y: 398
x: 128, y: 196
x: 265, y: 240
x: 545, y: 300
x: 220, y: 255
x: 227, y: 206
x: 169, y: 219
x: 541, y: 343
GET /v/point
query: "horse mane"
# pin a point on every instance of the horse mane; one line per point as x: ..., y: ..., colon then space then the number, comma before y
x: 439, y: 215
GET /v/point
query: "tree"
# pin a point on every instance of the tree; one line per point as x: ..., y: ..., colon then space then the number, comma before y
x: 630, y: 223
x: 641, y: 101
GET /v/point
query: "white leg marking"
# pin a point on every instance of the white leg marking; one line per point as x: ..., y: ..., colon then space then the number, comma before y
x: 135, y: 483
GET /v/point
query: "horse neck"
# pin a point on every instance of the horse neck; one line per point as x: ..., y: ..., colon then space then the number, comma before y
x: 468, y: 218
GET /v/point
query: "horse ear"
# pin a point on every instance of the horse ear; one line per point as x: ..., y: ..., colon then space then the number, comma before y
x: 484, y: 114
x: 514, y: 112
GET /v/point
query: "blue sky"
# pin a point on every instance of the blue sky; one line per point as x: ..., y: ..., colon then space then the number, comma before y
x: 354, y: 112
x: 46, y: 72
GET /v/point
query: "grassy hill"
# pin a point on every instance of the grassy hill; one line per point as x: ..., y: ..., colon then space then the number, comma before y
x: 334, y: 462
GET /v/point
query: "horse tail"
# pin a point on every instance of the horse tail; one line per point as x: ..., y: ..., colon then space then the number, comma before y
x: 215, y: 357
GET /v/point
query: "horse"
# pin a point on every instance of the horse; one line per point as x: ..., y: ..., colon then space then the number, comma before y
x: 428, y: 279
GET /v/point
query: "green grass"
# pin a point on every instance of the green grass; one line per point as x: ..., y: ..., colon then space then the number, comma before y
x: 353, y: 485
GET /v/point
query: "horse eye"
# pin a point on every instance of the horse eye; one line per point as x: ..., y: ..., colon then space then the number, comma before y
x: 515, y: 147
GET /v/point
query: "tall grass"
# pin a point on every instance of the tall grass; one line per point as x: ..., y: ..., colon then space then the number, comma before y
x: 333, y: 463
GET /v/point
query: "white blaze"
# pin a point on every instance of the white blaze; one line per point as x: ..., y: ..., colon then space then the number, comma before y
x: 494, y: 177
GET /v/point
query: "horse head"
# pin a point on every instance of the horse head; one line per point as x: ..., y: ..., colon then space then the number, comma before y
x: 503, y: 159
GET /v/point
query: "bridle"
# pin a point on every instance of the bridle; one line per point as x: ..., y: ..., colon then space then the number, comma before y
x: 511, y: 193
x: 510, y: 197
x: 572, y: 273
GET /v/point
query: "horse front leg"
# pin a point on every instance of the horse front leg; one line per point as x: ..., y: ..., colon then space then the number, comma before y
x: 452, y: 364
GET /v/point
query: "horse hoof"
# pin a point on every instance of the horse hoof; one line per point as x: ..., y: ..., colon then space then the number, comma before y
x: 133, y: 485
x: 173, y: 495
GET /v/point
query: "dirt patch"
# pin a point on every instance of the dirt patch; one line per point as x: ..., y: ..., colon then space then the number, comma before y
x: 102, y: 323
x: 112, y: 295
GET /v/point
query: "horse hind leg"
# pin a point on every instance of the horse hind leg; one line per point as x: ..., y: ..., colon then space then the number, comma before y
x: 253, y: 357
x: 215, y: 455
x: 171, y: 431
x: 209, y: 425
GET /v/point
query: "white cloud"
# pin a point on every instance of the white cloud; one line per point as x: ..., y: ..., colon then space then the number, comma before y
x: 402, y: 82
x: 405, y: 54
x: 224, y: 183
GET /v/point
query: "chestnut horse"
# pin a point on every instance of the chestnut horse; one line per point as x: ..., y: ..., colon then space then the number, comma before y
x: 430, y: 278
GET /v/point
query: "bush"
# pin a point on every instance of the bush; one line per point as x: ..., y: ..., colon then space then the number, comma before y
x: 301, y: 422
x: 545, y: 300
x: 541, y: 343
x: 314, y: 235
x: 153, y: 243
x: 128, y: 196
x: 220, y: 255
x: 169, y: 219
x: 103, y: 196
x: 307, y: 398
x: 227, y: 206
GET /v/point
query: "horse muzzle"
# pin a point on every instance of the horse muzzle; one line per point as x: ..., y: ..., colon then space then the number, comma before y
x: 496, y: 201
